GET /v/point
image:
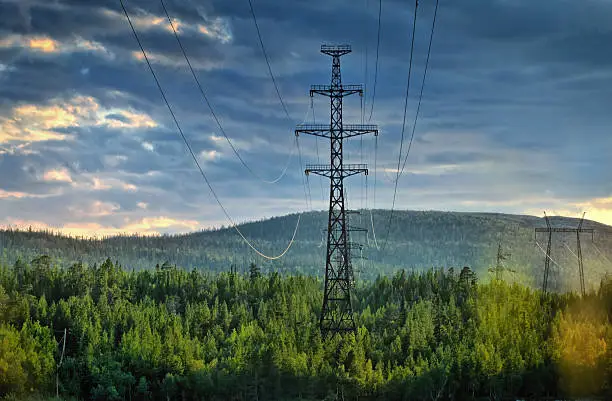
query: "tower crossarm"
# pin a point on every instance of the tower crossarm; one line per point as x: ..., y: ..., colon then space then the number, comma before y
x: 331, y: 90
x: 564, y: 230
x: 348, y: 130
x: 346, y: 170
x: 353, y: 229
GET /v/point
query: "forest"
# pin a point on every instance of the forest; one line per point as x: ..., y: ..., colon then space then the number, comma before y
x: 416, y: 240
x: 167, y: 333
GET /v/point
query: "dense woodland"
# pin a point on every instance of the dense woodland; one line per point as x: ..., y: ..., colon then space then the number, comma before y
x: 417, y: 240
x: 172, y: 334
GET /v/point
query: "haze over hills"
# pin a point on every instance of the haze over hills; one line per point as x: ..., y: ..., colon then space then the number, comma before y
x: 417, y: 240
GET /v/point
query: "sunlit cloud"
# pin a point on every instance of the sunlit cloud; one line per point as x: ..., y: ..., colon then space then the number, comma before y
x: 210, y: 155
x: 9, y: 194
x: 597, y: 209
x: 36, y: 122
x: 59, y: 175
x: 215, y: 28
x: 104, y: 184
x: 99, y: 185
x: 146, y: 226
x: 48, y: 45
x: 95, y: 209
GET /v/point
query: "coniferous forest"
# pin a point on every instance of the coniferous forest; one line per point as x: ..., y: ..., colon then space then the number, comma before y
x: 172, y: 334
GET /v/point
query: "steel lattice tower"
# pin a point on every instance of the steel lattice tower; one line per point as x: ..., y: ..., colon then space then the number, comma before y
x: 550, y: 230
x: 337, y: 313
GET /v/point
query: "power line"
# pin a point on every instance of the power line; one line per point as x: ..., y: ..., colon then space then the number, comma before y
x: 195, y: 159
x: 214, y: 115
x: 374, y: 191
x: 602, y: 254
x: 376, y: 64
x: 570, y: 249
x: 364, y: 61
x: 548, y: 256
x: 416, y: 115
x: 416, y: 6
x: 306, y: 183
x: 265, y: 54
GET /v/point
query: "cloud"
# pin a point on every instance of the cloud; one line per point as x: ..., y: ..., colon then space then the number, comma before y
x: 145, y: 226
x: 114, y: 160
x: 215, y: 28
x: 20, y: 195
x: 48, y: 45
x: 35, y: 123
x: 177, y: 61
x: 503, y: 101
x: 597, y: 209
x: 104, y: 184
x: 60, y: 175
x: 95, y: 209
x: 210, y: 155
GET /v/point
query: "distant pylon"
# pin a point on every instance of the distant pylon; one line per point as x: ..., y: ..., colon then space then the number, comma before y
x: 499, y: 267
x: 549, y: 229
x: 337, y: 313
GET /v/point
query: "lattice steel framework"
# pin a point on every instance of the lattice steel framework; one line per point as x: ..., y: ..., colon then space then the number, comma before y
x: 550, y: 230
x: 499, y: 267
x: 337, y: 313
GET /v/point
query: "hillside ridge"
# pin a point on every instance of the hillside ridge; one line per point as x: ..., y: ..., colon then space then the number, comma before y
x: 417, y: 240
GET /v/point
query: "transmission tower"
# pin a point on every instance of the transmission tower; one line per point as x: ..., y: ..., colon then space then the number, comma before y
x: 499, y: 267
x: 337, y: 313
x: 549, y: 229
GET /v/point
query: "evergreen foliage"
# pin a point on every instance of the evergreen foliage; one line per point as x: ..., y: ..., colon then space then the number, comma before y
x: 417, y: 240
x: 171, y: 334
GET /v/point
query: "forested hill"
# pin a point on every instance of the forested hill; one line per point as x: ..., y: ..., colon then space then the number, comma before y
x: 417, y: 240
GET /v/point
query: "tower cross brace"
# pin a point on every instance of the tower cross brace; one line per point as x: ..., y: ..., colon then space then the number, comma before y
x: 336, y: 312
x: 550, y: 230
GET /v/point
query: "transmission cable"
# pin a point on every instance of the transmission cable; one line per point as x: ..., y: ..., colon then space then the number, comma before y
x: 305, y: 182
x: 548, y: 256
x: 374, y: 191
x: 195, y: 159
x: 265, y: 55
x: 376, y: 63
x: 416, y: 115
x: 214, y: 115
x: 601, y: 253
x: 416, y: 6
x: 572, y: 252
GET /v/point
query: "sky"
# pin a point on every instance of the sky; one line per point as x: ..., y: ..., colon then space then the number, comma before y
x: 515, y: 114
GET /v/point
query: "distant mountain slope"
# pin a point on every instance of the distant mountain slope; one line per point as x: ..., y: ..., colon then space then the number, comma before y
x: 416, y: 240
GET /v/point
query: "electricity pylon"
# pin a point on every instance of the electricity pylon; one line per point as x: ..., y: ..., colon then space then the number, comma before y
x: 337, y: 313
x: 499, y: 267
x: 549, y: 229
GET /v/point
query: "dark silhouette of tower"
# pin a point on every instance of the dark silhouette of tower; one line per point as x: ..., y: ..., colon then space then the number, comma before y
x: 549, y: 229
x: 337, y: 313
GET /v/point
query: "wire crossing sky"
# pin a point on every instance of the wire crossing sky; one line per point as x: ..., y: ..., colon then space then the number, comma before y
x: 514, y: 116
